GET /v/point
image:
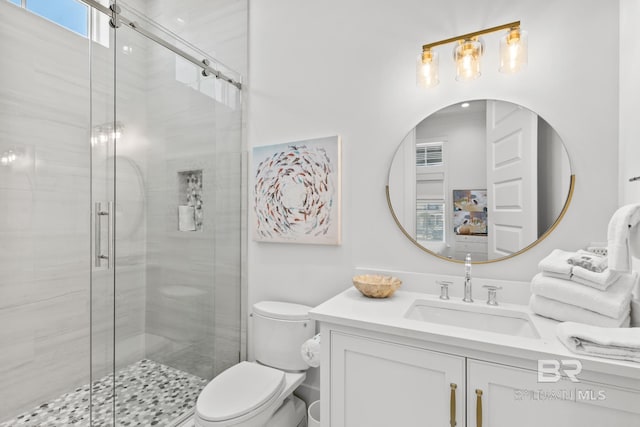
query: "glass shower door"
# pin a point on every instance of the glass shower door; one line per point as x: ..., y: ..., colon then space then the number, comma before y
x: 166, y: 215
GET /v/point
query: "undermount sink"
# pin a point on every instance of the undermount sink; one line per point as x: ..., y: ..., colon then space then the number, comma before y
x: 476, y: 316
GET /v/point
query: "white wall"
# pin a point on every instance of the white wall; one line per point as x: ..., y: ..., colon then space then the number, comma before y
x: 629, y: 192
x: 347, y: 67
x: 465, y: 134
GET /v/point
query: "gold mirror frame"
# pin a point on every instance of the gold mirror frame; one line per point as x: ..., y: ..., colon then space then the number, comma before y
x: 543, y: 236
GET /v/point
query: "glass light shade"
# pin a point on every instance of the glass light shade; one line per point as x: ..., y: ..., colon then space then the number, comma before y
x: 467, y: 56
x: 513, y: 51
x: 427, y: 69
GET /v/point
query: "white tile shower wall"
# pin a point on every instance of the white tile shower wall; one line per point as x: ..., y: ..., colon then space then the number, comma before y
x: 348, y: 68
x: 44, y: 220
x: 218, y: 27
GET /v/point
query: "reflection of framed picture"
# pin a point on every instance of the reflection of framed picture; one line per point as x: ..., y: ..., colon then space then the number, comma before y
x: 470, y: 212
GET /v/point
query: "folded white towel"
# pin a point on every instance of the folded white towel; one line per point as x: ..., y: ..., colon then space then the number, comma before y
x: 555, y: 275
x: 566, y: 312
x: 619, y: 235
x: 589, y: 261
x: 600, y: 281
x: 614, y: 343
x: 556, y: 264
x: 613, y: 302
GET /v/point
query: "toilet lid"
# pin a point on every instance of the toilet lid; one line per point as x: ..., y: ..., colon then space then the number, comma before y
x: 282, y: 310
x: 238, y: 391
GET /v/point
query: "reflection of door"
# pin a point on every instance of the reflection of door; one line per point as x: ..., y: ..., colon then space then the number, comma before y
x: 512, y: 135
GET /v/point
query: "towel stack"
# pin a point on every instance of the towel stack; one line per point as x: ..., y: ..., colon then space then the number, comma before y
x: 578, y: 287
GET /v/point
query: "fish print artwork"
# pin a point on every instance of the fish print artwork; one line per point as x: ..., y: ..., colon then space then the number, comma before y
x: 297, y: 192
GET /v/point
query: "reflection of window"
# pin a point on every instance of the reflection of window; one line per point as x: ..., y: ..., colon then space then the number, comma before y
x: 430, y: 220
x: 429, y: 154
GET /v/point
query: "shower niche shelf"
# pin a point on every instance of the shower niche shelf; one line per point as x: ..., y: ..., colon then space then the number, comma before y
x: 190, y: 203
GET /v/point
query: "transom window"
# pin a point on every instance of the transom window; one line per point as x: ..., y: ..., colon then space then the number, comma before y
x: 72, y: 15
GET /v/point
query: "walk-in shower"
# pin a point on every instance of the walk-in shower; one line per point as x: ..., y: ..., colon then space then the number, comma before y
x: 120, y: 218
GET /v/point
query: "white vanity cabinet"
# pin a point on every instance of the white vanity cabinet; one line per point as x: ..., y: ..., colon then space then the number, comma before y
x: 376, y: 383
x: 378, y: 380
x: 506, y: 396
x: 382, y: 367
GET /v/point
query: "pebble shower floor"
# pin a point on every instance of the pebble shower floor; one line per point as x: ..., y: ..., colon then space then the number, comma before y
x: 147, y: 394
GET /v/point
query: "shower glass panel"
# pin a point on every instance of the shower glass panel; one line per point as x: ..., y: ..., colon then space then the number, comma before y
x: 120, y: 224
x: 44, y: 213
x: 177, y: 217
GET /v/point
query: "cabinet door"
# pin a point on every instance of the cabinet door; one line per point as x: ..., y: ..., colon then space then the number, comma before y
x: 382, y: 384
x: 514, y: 397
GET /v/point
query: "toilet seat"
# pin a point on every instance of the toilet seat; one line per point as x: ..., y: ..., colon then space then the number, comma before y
x: 241, y: 391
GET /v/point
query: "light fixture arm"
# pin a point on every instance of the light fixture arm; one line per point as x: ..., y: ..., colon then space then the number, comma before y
x: 515, y: 24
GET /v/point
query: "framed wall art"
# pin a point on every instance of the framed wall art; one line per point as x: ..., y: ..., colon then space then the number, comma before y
x: 296, y: 192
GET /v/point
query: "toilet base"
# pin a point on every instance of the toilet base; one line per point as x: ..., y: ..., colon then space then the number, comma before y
x: 292, y: 413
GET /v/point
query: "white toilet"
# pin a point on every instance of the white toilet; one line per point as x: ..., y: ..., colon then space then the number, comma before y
x: 259, y: 394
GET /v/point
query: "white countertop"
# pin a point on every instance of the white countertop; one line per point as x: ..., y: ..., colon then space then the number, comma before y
x: 350, y: 308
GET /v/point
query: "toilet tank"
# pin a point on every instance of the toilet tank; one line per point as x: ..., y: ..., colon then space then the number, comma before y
x: 279, y: 329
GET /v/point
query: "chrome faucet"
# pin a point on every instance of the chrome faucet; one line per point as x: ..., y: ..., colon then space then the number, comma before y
x: 467, y: 279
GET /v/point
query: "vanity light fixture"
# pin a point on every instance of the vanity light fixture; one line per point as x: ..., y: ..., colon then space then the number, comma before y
x: 468, y: 53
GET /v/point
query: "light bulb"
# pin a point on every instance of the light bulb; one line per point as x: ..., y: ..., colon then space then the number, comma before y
x: 467, y: 56
x: 427, y: 69
x: 513, y: 51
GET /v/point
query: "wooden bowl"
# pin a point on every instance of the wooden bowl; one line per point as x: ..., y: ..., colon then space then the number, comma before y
x: 376, y: 285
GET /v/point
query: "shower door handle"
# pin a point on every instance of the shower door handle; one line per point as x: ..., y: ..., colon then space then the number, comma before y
x: 99, y: 256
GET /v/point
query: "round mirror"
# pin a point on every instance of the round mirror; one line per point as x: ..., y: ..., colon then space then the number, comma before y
x: 487, y: 178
